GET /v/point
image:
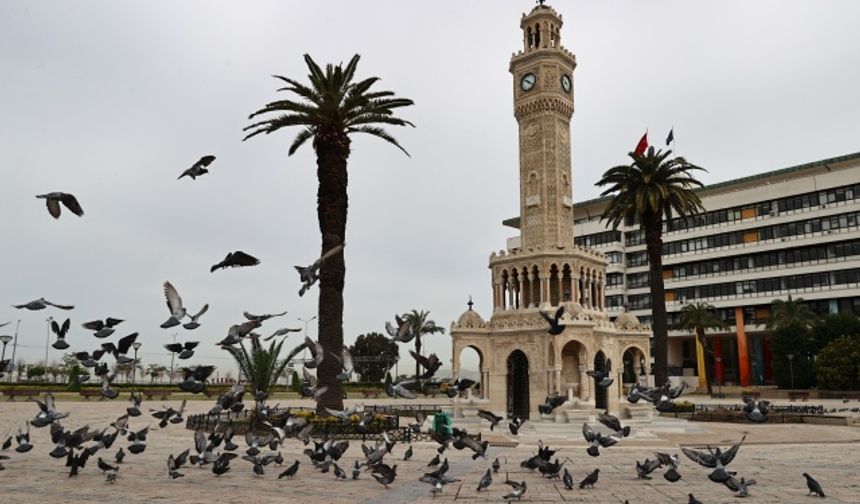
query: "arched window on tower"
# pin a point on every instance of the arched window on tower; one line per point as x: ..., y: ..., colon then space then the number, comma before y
x: 537, y: 35
x: 530, y: 37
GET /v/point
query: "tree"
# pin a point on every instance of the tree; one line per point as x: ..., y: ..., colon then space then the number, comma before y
x: 833, y: 326
x: 296, y: 382
x: 36, y: 372
x: 373, y: 355
x: 261, y: 366
x: 647, y: 190
x: 155, y: 371
x: 420, y: 326
x: 837, y: 366
x: 697, y: 318
x: 789, y: 312
x: 128, y: 369
x: 793, y: 340
x: 329, y: 111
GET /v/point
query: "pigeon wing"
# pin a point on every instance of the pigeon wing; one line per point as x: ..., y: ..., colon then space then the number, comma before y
x: 72, y: 204
x: 729, y: 455
x: 53, y: 207
x: 703, y: 459
x: 174, y: 302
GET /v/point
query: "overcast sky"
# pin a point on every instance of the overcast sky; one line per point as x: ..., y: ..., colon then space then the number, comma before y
x: 111, y: 100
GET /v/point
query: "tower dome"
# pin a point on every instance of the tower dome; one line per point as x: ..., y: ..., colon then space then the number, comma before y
x: 627, y: 320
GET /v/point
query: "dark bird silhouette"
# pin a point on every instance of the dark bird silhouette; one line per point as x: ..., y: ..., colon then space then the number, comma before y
x: 310, y: 274
x: 195, y: 319
x: 496, y: 465
x: 174, y: 304
x: 198, y: 168
x: 517, y: 490
x: 693, y: 500
x: 554, y: 326
x: 490, y: 417
x: 291, y: 471
x: 515, y: 424
x: 185, y: 350
x: 716, y: 459
x: 102, y: 329
x: 814, y: 486
x: 61, y: 343
x: 551, y: 403
x: 590, y: 480
x: 431, y: 364
x: 384, y: 474
x: 603, y: 378
x: 486, y: 481
x: 41, y: 304
x: 235, y: 260
x: 613, y: 423
x: 53, y: 200
x: 755, y: 410
x: 567, y: 479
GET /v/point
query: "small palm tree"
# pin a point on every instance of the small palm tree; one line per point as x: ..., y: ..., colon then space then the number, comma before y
x: 788, y: 312
x: 261, y: 366
x: 329, y: 111
x: 650, y: 189
x: 697, y: 318
x: 420, y: 325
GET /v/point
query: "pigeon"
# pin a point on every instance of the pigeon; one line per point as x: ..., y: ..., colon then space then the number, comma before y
x: 486, y: 481
x: 53, y: 200
x: 814, y: 486
x: 515, y: 424
x: 603, y: 379
x: 120, y: 455
x: 402, y: 333
x: 431, y: 364
x: 551, y: 403
x: 235, y: 260
x: 590, y: 480
x: 384, y: 474
x: 399, y: 390
x: 672, y: 462
x: 408, y: 454
x: 111, y: 477
x: 693, y: 499
x: 755, y: 410
x: 169, y: 415
x: 309, y: 275
x: 221, y: 465
x: 61, y: 343
x: 121, y: 348
x: 137, y: 440
x: 198, y: 168
x: 490, y: 417
x: 174, y: 304
x: 185, y: 350
x: 613, y: 423
x: 716, y: 459
x: 596, y: 440
x: 496, y: 465
x: 567, y: 479
x: 194, y: 324
x: 284, y: 331
x: 173, y: 467
x: 41, y: 304
x: 239, y: 331
x: 346, y: 363
x: 194, y: 378
x: 262, y: 318
x: 317, y: 354
x: 740, y: 487
x: 104, y: 466
x: 644, y: 469
x: 47, y: 414
x: 107, y: 392
x: 554, y: 327
x: 434, y: 461
x: 102, y: 329
x: 338, y: 472
x: 517, y: 490
x: 460, y: 385
x: 356, y: 470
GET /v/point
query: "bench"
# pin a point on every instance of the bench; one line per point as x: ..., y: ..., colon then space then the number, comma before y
x: 794, y: 396
x: 431, y: 392
x: 28, y: 393
x: 214, y: 391
x: 368, y: 393
x: 149, y: 394
x: 752, y: 395
x: 87, y: 393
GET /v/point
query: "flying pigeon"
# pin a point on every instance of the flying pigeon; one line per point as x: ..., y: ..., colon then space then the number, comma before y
x: 198, y: 168
x: 517, y: 490
x: 235, y: 260
x: 554, y: 327
x: 490, y: 417
x: 603, y: 379
x: 310, y: 274
x: 102, y: 329
x: 61, y: 343
x: 174, y: 304
x: 41, y: 304
x: 194, y: 324
x: 54, y: 199
x: 715, y: 459
x: 185, y: 350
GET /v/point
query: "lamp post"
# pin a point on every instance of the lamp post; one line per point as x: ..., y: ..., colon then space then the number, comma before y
x: 47, y: 338
x: 172, y: 354
x: 5, y: 339
x: 136, y: 346
x: 791, y: 368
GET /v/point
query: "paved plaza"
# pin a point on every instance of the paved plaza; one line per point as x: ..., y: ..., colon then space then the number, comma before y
x: 774, y: 455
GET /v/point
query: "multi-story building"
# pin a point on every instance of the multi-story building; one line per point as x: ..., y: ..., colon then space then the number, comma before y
x: 793, y: 231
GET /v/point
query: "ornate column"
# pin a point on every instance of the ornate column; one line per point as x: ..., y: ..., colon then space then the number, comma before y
x: 601, y: 296
x: 534, y: 285
x: 584, y: 384
x: 544, y: 288
x: 574, y: 286
x: 557, y: 380
x: 510, y: 295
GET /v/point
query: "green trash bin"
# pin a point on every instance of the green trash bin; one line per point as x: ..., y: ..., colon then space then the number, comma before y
x: 442, y: 424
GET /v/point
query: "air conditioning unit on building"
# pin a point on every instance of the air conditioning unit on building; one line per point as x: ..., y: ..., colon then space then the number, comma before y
x: 772, y: 213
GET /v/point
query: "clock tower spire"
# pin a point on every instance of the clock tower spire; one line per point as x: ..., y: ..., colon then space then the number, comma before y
x: 543, y: 107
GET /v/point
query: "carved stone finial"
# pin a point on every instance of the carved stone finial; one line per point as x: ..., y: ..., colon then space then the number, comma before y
x: 470, y: 303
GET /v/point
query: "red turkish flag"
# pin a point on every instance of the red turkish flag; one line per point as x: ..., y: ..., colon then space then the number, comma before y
x: 642, y: 145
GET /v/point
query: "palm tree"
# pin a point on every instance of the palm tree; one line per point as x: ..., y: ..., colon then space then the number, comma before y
x: 697, y: 318
x: 650, y: 189
x: 155, y: 371
x: 329, y: 111
x: 419, y: 325
x: 789, y: 312
x: 261, y: 366
x: 127, y: 369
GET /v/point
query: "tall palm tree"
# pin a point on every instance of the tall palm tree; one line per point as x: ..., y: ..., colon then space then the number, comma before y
x: 651, y: 188
x: 329, y: 111
x: 697, y: 318
x: 420, y: 325
x: 790, y: 311
x: 262, y: 367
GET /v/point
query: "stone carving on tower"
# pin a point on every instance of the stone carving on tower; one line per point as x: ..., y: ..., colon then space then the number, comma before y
x: 543, y: 270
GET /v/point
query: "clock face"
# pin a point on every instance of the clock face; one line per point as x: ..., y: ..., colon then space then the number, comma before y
x: 565, y: 83
x: 528, y: 81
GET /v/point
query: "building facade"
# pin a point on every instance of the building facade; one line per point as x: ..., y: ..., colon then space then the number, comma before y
x: 793, y: 231
x: 543, y: 268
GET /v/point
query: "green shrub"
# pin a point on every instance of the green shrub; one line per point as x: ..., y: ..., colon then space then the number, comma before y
x: 838, y: 364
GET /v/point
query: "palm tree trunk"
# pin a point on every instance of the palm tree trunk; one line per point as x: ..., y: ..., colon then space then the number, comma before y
x: 332, y: 202
x: 700, y: 334
x: 659, y: 323
x: 417, y: 352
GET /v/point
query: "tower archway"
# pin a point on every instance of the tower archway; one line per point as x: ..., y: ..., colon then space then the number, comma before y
x: 518, y: 384
x: 572, y: 367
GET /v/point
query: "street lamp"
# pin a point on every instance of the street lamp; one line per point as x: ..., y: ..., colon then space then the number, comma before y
x: 136, y: 346
x: 719, y: 381
x: 791, y: 368
x: 47, y: 338
x: 5, y: 339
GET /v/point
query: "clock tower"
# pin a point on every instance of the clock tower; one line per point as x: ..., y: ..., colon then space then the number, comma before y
x: 543, y: 106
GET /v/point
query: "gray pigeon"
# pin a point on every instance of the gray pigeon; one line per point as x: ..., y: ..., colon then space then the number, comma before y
x: 693, y: 500
x: 54, y: 199
x: 198, y: 168
x: 567, y: 479
x: 590, y: 480
x: 486, y: 481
